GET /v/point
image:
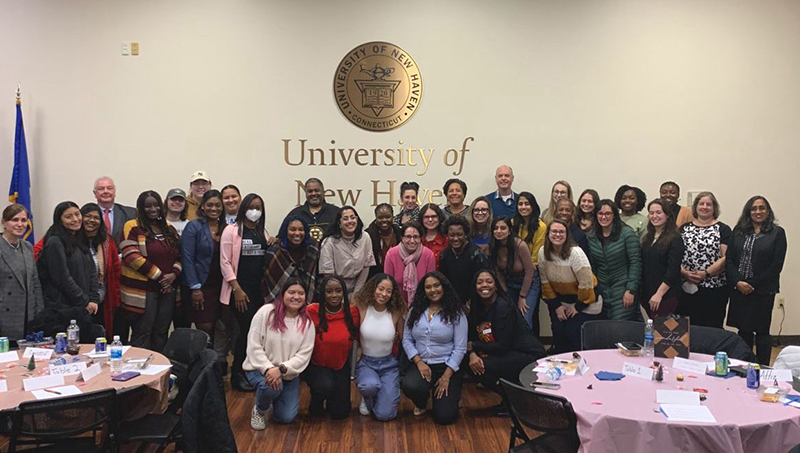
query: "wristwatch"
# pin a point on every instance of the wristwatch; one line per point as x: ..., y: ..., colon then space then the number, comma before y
x: 282, y: 368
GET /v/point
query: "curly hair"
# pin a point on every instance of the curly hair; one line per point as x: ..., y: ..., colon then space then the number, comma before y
x: 452, y: 307
x: 348, y: 317
x: 641, y: 198
x: 365, y: 297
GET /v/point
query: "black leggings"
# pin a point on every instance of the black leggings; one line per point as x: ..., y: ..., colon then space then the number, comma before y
x: 418, y: 390
x: 244, y: 319
x: 331, y: 386
x: 754, y: 322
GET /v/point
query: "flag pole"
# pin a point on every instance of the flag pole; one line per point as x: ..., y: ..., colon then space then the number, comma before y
x: 19, y: 93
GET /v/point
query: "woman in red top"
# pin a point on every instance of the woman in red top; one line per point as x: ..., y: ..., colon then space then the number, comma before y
x: 432, y: 220
x: 328, y: 374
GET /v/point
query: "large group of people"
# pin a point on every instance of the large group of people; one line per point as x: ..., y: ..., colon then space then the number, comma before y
x: 428, y: 294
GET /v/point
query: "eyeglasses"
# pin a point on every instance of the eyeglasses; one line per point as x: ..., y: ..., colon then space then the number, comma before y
x: 430, y: 217
x: 558, y: 233
x: 605, y: 214
x: 480, y: 210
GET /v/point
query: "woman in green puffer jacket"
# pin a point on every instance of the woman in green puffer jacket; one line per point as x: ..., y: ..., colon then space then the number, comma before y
x: 616, y: 259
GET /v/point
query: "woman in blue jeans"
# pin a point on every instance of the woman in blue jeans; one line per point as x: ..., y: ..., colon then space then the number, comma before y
x: 510, y: 257
x: 279, y: 347
x: 381, y: 310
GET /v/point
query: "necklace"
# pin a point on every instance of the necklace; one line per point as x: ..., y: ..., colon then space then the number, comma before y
x: 13, y: 247
x: 334, y: 312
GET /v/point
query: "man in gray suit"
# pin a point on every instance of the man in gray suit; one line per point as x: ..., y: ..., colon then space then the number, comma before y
x: 114, y: 214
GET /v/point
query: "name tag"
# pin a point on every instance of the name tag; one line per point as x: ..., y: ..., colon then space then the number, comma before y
x: 90, y: 372
x: 38, y: 353
x: 689, y: 365
x: 768, y: 376
x: 641, y: 372
x: 68, y: 369
x: 583, y: 368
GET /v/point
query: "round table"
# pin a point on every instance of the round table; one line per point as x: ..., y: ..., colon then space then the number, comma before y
x: 155, y: 400
x: 623, y: 415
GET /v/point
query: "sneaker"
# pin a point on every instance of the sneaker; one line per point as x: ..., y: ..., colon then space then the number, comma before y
x: 258, y: 420
x: 363, y: 409
x: 419, y: 411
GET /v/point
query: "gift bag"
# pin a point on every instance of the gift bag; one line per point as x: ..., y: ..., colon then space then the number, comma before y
x: 671, y: 336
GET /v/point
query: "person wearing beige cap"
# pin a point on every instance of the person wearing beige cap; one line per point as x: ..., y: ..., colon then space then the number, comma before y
x: 198, y: 185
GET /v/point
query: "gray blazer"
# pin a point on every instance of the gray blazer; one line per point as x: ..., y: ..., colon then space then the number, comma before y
x: 121, y: 215
x: 19, y: 288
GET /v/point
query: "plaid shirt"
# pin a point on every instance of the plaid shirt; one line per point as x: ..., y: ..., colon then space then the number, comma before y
x: 281, y: 267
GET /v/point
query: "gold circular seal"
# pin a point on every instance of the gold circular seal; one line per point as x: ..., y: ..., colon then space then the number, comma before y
x: 377, y: 86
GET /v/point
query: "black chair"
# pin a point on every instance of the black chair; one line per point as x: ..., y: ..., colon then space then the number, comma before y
x: 160, y: 429
x: 97, y: 331
x: 62, y: 424
x: 184, y: 345
x: 551, y: 415
x: 710, y: 340
x: 604, y: 334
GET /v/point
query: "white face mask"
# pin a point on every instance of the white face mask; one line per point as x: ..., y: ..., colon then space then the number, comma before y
x: 253, y: 215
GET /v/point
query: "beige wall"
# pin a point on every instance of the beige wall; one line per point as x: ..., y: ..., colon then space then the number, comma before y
x: 597, y: 93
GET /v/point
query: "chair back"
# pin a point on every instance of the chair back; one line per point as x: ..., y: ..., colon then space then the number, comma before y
x: 184, y: 345
x: 539, y: 411
x: 65, y: 420
x: 604, y: 334
x: 97, y: 331
x: 710, y: 340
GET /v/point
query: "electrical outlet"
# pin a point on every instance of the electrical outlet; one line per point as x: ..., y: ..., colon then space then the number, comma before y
x: 134, y: 48
x: 126, y: 48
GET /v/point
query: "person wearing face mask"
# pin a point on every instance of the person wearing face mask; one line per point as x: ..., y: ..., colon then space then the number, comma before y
x: 106, y: 258
x: 19, y: 279
x: 316, y: 212
x: 511, y: 258
x: 384, y: 235
x: 336, y: 323
x: 231, y: 199
x: 502, y: 201
x: 500, y: 343
x: 151, y: 265
x: 295, y: 254
x: 346, y: 251
x: 177, y: 209
x: 568, y: 287
x: 435, y: 340
x: 586, y: 203
x: 616, y: 258
x: 433, y: 238
x: 199, y: 183
x: 566, y: 211
x: 705, y: 291
x: 280, y: 343
x: 409, y: 209
x: 662, y: 253
x: 408, y: 261
x: 455, y: 190
x: 200, y: 257
x: 461, y: 258
x: 631, y: 200
x: 242, y: 250
x: 753, y: 263
x: 671, y: 193
x: 66, y: 270
x: 560, y: 190
x: 381, y: 311
x: 480, y: 222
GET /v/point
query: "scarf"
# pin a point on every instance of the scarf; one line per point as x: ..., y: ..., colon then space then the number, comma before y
x: 410, y: 278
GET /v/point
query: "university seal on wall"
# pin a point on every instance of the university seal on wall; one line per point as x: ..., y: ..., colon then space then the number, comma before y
x: 377, y: 86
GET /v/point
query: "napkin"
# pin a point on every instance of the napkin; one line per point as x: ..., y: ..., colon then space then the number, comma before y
x: 608, y: 376
x: 728, y: 376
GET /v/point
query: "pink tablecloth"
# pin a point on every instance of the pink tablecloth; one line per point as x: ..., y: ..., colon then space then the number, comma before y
x: 621, y: 416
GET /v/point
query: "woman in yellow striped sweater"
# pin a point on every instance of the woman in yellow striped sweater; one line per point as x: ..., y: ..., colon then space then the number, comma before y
x: 568, y: 287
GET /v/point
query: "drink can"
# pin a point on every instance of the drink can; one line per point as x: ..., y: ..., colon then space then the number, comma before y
x: 58, y: 361
x: 753, y: 378
x: 61, y: 343
x: 100, y: 344
x: 721, y: 364
x: 4, y: 345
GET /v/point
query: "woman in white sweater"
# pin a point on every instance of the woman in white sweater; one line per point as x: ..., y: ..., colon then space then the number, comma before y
x: 279, y: 347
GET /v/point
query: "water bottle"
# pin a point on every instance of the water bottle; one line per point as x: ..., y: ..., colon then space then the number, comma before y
x: 648, y: 338
x: 73, y: 338
x: 554, y: 373
x: 116, y: 356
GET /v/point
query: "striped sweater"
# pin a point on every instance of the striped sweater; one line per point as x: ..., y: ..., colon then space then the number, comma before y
x: 569, y: 282
x: 144, y: 261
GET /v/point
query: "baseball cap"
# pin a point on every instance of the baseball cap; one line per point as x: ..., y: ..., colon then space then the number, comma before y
x: 176, y: 193
x: 198, y: 175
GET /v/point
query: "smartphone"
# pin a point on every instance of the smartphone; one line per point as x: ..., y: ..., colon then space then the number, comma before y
x: 546, y: 385
x: 630, y: 346
x: 126, y: 376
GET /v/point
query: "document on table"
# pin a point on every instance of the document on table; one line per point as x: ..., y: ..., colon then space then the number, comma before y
x: 56, y: 392
x: 152, y: 370
x: 687, y: 413
x: 683, y: 397
x: 10, y: 356
x: 107, y: 353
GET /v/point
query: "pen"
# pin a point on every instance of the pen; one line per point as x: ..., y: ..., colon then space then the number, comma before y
x: 52, y: 391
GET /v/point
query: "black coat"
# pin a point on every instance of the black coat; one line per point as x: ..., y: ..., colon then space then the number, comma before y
x: 769, y: 253
x: 204, y: 422
x: 68, y: 281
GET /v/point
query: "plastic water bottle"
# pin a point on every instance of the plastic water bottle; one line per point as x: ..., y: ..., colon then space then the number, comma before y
x: 648, y: 338
x: 73, y: 338
x: 554, y: 373
x: 116, y: 356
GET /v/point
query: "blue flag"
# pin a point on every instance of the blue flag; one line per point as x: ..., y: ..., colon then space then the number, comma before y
x: 20, y: 190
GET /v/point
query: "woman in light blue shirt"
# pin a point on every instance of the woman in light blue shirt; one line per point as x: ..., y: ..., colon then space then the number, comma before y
x: 435, y: 340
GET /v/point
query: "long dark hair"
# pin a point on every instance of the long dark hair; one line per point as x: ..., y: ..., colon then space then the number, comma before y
x: 566, y: 249
x: 335, y: 229
x: 283, y: 232
x: 146, y: 224
x: 365, y: 297
x: 452, y: 307
x: 595, y: 199
x: 532, y: 224
x: 348, y: 317
x: 667, y: 234
x: 439, y: 213
x: 243, y: 207
x: 616, y: 222
x: 70, y: 240
x: 745, y: 223
x: 476, y: 308
x: 201, y: 213
x: 510, y: 245
x: 102, y: 232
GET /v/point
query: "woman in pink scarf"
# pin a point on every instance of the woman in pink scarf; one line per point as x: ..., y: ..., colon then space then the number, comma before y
x: 408, y: 261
